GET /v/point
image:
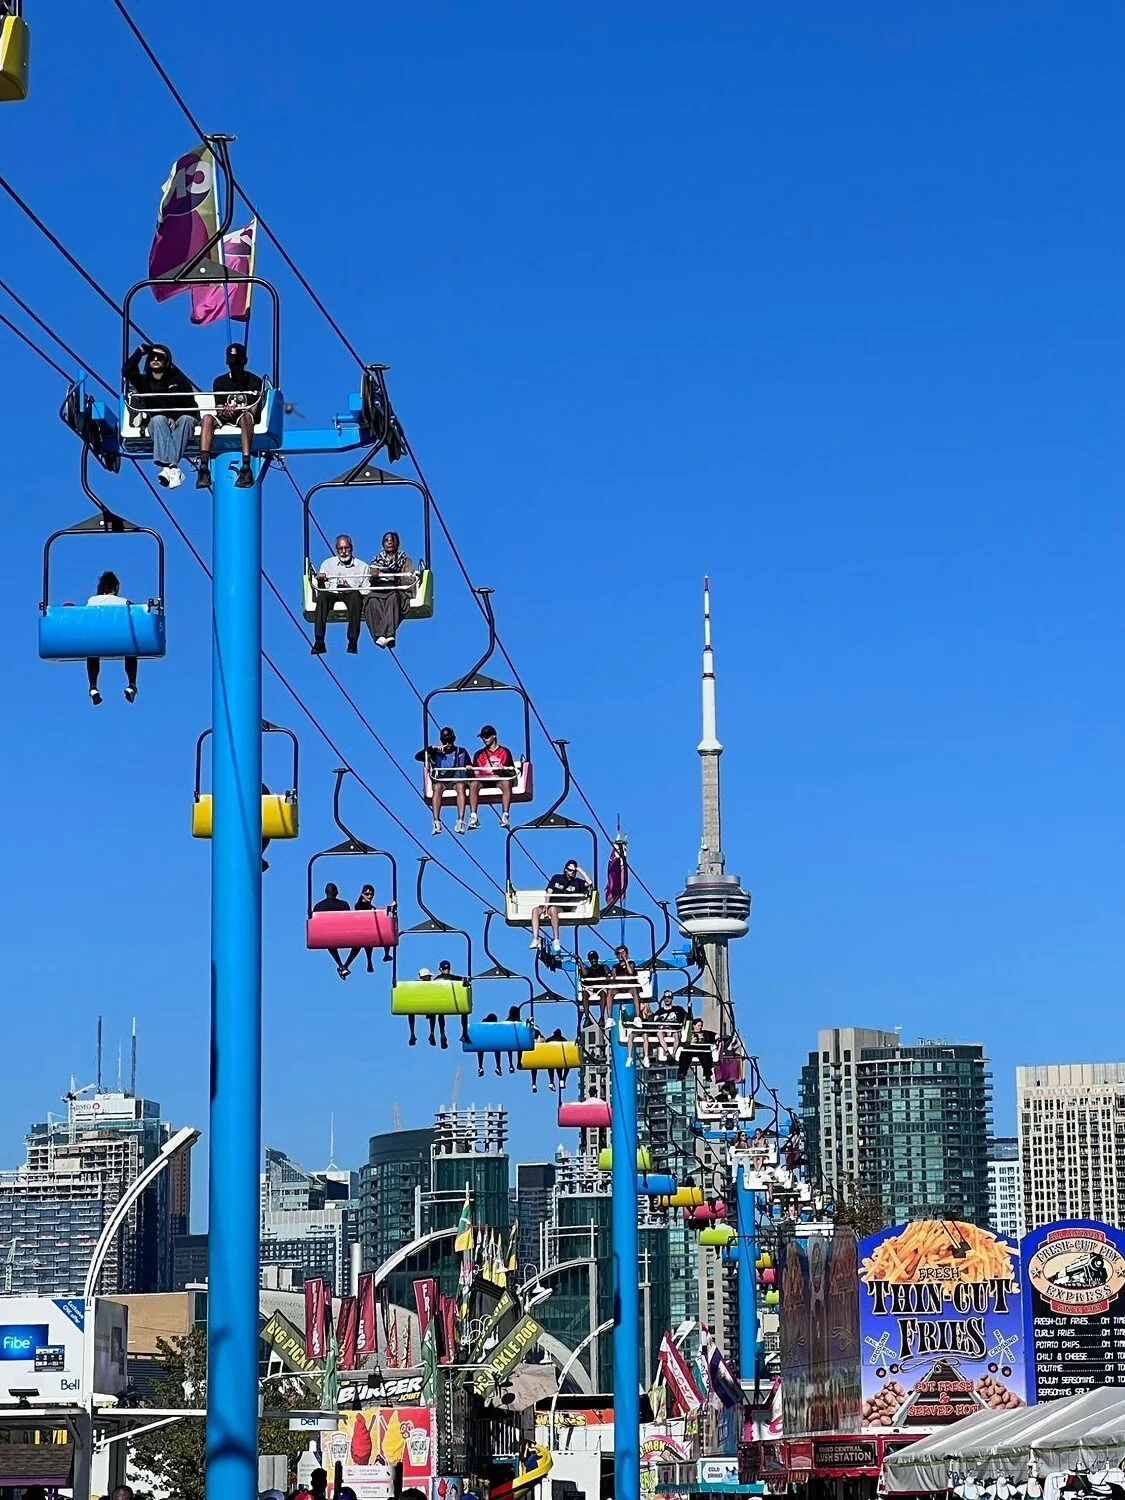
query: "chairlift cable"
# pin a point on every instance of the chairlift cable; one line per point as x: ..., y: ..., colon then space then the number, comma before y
x: 34, y: 347
x: 49, y: 331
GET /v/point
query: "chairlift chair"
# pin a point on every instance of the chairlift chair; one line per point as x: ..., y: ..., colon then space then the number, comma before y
x: 73, y: 632
x: 505, y: 1035
x: 366, y: 474
x: 432, y: 997
x: 720, y: 1236
x: 585, y: 1114
x: 476, y: 681
x: 519, y: 904
x: 269, y: 427
x: 377, y: 928
x: 15, y: 54
x: 279, y: 809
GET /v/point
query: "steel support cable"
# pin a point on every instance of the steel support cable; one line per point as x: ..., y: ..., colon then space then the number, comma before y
x: 274, y: 668
x: 354, y: 352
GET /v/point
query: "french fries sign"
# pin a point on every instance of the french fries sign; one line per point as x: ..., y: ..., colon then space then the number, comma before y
x: 941, y: 1324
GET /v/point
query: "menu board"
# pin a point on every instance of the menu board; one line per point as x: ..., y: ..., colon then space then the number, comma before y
x: 941, y: 1324
x: 1074, y: 1272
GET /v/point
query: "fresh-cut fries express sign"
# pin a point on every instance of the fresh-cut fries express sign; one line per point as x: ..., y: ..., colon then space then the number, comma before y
x: 940, y: 1324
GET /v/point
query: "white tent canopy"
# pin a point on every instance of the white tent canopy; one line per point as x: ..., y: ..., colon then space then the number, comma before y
x: 1079, y: 1432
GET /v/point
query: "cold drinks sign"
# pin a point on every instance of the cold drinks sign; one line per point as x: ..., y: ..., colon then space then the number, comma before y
x: 941, y: 1324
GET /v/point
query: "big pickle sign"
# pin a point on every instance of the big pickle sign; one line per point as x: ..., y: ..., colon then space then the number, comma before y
x: 941, y: 1324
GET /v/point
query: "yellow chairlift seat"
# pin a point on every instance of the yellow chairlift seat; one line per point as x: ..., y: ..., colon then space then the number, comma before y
x: 557, y: 1055
x: 644, y: 1159
x: 15, y: 53
x: 683, y: 1197
x: 279, y: 809
x: 431, y: 997
x: 519, y: 905
x: 421, y: 606
x: 279, y: 815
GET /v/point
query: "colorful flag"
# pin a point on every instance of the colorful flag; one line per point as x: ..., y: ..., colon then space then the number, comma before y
x: 686, y: 1395
x: 448, y: 1329
x: 723, y: 1383
x: 617, y: 874
x: 187, y: 219
x: 406, y: 1351
x: 426, y: 1301
x: 429, y: 1365
x: 464, y: 1240
x: 367, y: 1340
x: 392, y: 1341
x: 318, y: 1315
x: 499, y: 1263
x: 513, y: 1256
x: 212, y: 302
x: 347, y: 1333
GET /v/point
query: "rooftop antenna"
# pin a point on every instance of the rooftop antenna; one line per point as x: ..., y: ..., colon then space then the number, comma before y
x: 99, y: 1054
x: 118, y: 1064
x: 332, y: 1141
x: 133, y: 1061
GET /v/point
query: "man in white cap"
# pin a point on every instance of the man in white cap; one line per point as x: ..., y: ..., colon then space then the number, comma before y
x: 238, y: 396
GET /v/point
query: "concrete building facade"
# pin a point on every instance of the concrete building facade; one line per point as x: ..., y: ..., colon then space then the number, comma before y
x: 1072, y: 1142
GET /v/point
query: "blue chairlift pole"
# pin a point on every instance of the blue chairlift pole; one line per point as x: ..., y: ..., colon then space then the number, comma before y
x: 236, y: 987
x: 747, y: 1225
x: 626, y: 1276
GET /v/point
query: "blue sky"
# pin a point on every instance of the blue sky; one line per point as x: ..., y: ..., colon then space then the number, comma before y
x: 822, y: 300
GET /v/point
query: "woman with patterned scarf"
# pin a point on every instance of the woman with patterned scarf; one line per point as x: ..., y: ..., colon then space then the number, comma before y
x: 392, y: 587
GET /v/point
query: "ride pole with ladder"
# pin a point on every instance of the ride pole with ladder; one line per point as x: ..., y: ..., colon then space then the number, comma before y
x: 236, y: 986
x: 626, y: 1275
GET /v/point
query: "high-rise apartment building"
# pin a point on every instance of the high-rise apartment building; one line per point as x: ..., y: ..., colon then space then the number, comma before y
x: 907, y: 1126
x: 531, y: 1206
x: 309, y: 1222
x: 1005, y: 1186
x: 1072, y: 1142
x: 54, y: 1207
x: 390, y: 1188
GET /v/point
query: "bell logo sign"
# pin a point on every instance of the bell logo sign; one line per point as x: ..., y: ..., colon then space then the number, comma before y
x: 19, y: 1341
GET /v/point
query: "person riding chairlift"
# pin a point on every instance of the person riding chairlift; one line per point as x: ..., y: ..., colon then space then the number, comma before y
x: 241, y: 391
x: 493, y: 765
x: 163, y: 400
x: 108, y: 593
x: 447, y: 764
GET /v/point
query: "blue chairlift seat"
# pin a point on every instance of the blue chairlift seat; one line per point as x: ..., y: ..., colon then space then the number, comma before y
x: 499, y: 1036
x: 73, y: 632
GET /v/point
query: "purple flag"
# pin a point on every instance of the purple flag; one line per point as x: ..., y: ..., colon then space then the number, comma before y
x: 617, y: 876
x: 187, y: 218
x: 211, y: 303
x: 723, y: 1383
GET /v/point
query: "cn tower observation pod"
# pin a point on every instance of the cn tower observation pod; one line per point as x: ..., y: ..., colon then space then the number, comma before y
x: 713, y: 906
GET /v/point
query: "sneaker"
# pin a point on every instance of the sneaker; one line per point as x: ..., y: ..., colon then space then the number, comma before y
x: 551, y: 1084
x: 499, y: 1071
x: 444, y: 1042
x: 353, y: 646
x: 413, y: 1041
x: 474, y: 822
x: 480, y: 1071
x: 203, y: 478
x: 175, y: 478
x: 319, y: 648
x: 459, y: 827
x: 245, y: 480
x: 130, y: 692
x: 95, y: 697
x: 433, y: 1041
x: 534, y: 944
x: 505, y: 820
x: 342, y: 971
x: 556, y: 947
x: 534, y: 1088
x: 162, y: 477
x: 511, y: 1067
x: 389, y: 642
x: 380, y: 640
x: 438, y: 827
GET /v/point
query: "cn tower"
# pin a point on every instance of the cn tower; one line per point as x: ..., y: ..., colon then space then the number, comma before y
x: 713, y: 908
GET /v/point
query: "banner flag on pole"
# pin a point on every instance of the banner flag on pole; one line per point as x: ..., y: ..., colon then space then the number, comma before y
x: 212, y: 303
x: 187, y: 218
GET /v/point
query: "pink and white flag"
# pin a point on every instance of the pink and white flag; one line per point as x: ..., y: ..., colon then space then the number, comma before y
x: 213, y: 302
x: 187, y: 218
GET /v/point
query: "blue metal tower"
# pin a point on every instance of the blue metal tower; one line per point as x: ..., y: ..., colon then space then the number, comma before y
x: 626, y: 1278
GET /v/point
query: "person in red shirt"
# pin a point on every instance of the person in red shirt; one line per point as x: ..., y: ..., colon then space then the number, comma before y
x: 494, y: 765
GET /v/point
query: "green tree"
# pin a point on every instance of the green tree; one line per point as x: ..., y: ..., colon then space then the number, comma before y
x: 175, y: 1455
x: 860, y: 1210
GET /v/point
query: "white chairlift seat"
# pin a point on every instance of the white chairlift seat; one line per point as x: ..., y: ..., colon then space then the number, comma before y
x: 728, y: 1112
x: 519, y: 905
x: 268, y: 429
x: 490, y: 789
x: 620, y: 990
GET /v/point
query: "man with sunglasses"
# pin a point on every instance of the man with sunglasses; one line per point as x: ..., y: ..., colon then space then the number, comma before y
x: 493, y: 765
x: 163, y: 399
